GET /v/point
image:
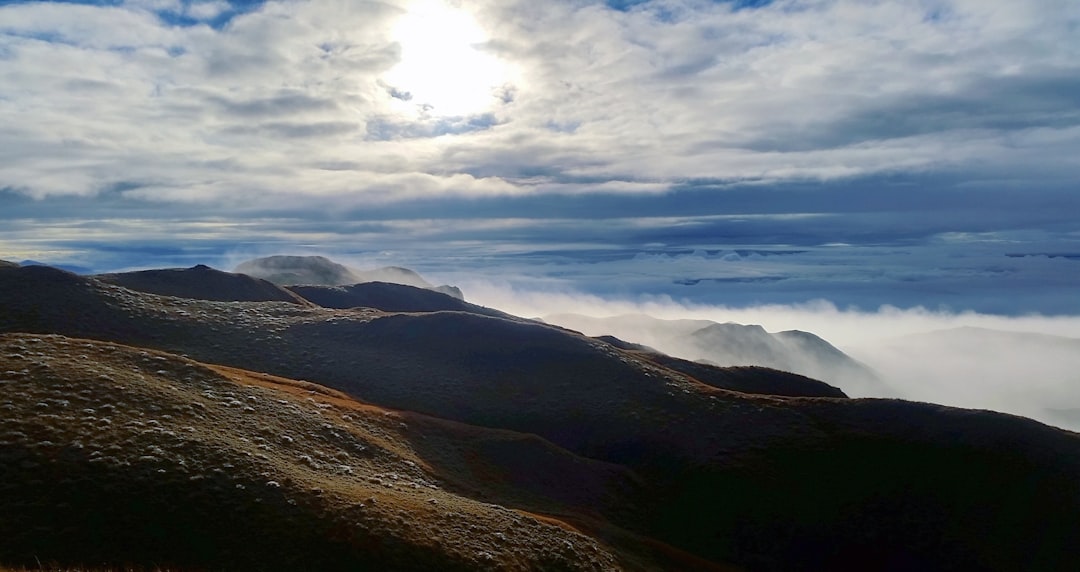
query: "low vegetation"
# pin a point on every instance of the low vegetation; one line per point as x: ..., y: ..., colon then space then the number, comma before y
x: 118, y: 455
x: 451, y: 440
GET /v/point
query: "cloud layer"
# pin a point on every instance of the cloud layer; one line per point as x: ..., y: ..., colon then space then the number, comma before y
x: 1024, y: 365
x: 290, y: 102
x: 906, y: 148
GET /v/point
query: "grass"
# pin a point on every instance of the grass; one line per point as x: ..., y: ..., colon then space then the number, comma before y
x: 117, y: 454
x: 496, y: 415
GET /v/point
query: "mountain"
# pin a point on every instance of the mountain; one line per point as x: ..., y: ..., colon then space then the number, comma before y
x: 201, y: 283
x: 744, y: 379
x: 734, y: 344
x: 69, y: 267
x: 6, y: 264
x: 452, y: 291
x: 712, y: 477
x: 289, y: 270
x: 388, y: 298
x: 393, y: 275
x: 112, y: 454
x: 321, y: 271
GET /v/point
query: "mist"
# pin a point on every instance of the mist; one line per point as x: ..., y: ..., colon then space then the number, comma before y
x: 1023, y: 365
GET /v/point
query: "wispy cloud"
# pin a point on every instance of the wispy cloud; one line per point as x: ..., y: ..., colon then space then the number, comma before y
x: 657, y: 92
x: 662, y: 125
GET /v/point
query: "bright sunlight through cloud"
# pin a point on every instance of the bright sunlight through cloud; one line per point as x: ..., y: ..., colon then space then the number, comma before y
x: 444, y: 70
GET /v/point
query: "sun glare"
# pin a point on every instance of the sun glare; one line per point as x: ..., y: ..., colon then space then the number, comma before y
x: 444, y: 70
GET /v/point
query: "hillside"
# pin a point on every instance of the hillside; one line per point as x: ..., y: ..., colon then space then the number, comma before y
x: 732, y: 344
x: 201, y: 283
x: 289, y: 270
x: 745, y: 379
x: 321, y: 271
x: 111, y: 454
x: 388, y: 298
x: 764, y: 482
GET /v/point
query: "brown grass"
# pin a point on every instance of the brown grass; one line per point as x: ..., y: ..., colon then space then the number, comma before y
x: 345, y: 471
x: 501, y: 414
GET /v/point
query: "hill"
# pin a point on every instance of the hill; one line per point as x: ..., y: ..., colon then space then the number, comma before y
x: 762, y: 482
x: 201, y: 283
x: 289, y: 270
x: 321, y: 271
x: 6, y: 264
x: 388, y: 298
x: 116, y: 455
x: 78, y: 269
x: 734, y: 344
x: 745, y: 379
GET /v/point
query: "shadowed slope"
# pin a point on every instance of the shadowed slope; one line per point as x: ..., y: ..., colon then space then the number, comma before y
x: 388, y: 298
x: 6, y: 264
x: 110, y: 454
x: 732, y: 344
x: 201, y: 283
x: 320, y: 271
x: 766, y: 482
x: 750, y: 379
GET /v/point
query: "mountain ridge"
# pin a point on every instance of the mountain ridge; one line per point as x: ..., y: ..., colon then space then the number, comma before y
x: 286, y: 270
x: 388, y: 297
x: 731, y: 344
x: 728, y: 477
x: 201, y: 282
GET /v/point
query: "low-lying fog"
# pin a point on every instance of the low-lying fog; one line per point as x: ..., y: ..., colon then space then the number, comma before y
x: 1027, y: 365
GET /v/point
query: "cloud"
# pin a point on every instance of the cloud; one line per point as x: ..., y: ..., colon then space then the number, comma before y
x: 929, y: 137
x: 656, y: 93
x: 207, y: 10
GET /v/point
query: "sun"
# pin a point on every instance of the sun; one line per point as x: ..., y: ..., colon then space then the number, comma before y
x: 444, y: 69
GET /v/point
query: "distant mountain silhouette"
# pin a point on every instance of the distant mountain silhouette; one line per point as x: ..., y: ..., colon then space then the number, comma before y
x: 389, y: 298
x: 452, y: 291
x: 290, y: 270
x: 734, y: 344
x: 707, y: 476
x: 6, y: 264
x: 393, y: 275
x: 201, y: 283
x: 745, y: 379
x: 69, y: 267
x: 321, y: 271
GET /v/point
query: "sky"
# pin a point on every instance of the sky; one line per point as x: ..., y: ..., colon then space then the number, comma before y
x: 920, y: 155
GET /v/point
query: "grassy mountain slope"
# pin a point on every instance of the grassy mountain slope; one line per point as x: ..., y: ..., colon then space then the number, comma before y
x: 112, y: 454
x: 389, y: 298
x: 731, y: 344
x: 766, y: 482
x: 201, y: 283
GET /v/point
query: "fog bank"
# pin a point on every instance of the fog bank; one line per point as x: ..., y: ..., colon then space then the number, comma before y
x: 1026, y: 365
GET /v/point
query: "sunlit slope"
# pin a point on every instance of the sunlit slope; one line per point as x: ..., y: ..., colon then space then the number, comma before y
x: 765, y: 482
x: 112, y: 454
